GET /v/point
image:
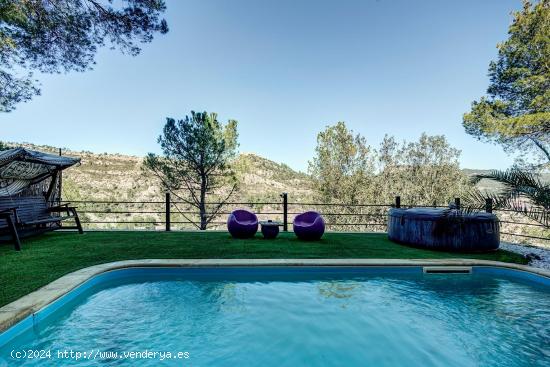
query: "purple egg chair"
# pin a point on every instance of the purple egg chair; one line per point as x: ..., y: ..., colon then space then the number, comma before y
x: 309, y: 226
x: 242, y: 223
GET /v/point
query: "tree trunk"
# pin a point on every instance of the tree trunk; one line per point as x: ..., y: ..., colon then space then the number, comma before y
x: 202, y: 204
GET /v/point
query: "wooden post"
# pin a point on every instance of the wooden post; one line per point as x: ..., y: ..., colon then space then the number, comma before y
x: 59, y: 183
x: 167, y: 215
x: 284, y: 195
x: 398, y: 201
x: 489, y: 205
x: 51, y: 189
x: 457, y: 203
x: 13, y: 232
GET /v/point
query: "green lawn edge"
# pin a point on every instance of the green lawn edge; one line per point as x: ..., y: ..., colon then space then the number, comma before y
x: 46, y: 258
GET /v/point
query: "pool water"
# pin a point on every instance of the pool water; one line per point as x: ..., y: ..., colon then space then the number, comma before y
x: 300, y: 317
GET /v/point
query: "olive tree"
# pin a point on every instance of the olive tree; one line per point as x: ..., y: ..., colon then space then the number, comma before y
x: 422, y: 172
x: 343, y: 165
x: 347, y: 173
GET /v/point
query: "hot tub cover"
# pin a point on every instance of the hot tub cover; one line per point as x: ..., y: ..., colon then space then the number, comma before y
x: 435, y: 213
x: 444, y: 229
x: 21, y: 167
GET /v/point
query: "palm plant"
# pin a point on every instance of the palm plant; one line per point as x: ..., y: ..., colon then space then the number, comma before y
x: 522, y: 192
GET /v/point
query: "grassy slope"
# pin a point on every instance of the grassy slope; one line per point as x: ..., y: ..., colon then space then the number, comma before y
x: 47, y: 258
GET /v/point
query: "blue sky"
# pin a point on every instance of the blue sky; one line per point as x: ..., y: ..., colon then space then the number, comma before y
x: 284, y: 69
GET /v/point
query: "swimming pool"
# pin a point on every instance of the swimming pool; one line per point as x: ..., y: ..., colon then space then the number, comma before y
x: 292, y: 316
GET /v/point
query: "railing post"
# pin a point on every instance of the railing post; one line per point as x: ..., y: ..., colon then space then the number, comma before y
x: 167, y: 215
x: 285, y: 211
x: 489, y: 205
x: 457, y: 203
x: 60, y: 182
x: 398, y: 201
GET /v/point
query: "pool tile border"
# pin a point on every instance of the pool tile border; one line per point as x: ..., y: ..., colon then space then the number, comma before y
x: 30, y: 304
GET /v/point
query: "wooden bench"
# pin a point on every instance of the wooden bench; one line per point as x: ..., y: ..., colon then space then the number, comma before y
x: 30, y: 215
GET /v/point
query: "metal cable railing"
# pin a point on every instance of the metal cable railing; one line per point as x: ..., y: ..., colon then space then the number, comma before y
x: 168, y: 215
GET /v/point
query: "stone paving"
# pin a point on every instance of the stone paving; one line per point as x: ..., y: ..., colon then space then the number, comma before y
x: 539, y: 257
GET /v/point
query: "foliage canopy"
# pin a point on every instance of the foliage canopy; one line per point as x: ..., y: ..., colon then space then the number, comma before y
x: 346, y: 170
x: 195, y: 165
x: 516, y: 110
x: 53, y: 36
x: 522, y: 191
x: 343, y: 165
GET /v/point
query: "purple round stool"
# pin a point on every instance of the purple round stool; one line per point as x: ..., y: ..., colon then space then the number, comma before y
x: 242, y: 223
x: 309, y: 226
x: 270, y: 229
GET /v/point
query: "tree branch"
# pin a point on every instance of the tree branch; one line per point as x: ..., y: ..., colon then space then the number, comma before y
x: 541, y: 147
x: 197, y: 225
x: 214, y: 213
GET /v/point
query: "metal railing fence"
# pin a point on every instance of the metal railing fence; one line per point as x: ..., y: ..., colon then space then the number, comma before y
x: 170, y: 215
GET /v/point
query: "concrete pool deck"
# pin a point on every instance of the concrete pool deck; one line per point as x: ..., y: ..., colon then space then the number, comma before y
x: 16, y: 311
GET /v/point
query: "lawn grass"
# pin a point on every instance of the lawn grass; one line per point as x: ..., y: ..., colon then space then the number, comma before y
x: 46, y: 258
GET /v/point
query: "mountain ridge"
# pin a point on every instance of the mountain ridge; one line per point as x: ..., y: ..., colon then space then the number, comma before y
x: 120, y: 177
x: 117, y: 176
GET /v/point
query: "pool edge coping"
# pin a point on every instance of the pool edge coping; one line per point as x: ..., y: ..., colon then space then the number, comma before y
x: 14, y: 312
